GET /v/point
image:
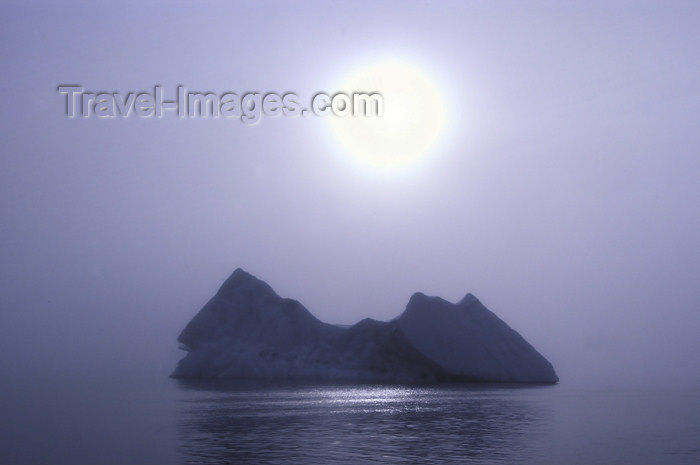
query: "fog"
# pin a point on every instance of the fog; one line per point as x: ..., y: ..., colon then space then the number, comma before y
x: 564, y: 193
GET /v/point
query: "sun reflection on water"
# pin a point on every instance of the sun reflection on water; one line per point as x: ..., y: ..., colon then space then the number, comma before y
x: 234, y: 423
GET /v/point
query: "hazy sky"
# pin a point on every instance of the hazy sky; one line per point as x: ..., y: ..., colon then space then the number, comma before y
x: 565, y: 192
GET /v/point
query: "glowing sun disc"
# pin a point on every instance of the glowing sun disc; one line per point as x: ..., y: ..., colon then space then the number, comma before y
x: 413, y: 117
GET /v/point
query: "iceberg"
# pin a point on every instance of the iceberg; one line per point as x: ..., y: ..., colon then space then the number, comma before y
x: 247, y: 331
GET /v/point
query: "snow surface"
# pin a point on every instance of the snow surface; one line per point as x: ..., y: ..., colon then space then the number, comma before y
x: 247, y: 331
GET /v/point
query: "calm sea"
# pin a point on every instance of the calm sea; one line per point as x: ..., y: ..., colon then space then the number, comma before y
x: 160, y: 420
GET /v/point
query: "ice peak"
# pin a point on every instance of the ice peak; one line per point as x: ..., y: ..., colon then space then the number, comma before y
x: 418, y: 299
x: 239, y: 274
x: 241, y: 280
x: 468, y: 300
x: 421, y: 304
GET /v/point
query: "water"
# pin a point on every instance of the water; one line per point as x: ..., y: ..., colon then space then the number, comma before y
x: 355, y: 425
x: 148, y: 420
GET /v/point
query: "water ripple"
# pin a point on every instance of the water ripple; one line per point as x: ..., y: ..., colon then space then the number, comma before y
x: 262, y: 424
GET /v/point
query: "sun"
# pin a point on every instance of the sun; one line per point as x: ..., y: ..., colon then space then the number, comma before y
x: 412, y: 122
